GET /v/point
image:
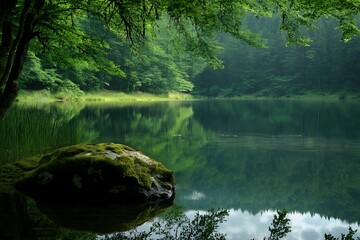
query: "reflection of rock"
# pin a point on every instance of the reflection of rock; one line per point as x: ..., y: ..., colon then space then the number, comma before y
x: 195, y: 195
x: 102, y: 219
x: 14, y: 220
x: 94, y: 173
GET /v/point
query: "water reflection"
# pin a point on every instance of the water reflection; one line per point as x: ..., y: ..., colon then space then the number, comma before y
x: 14, y: 220
x: 23, y: 218
x: 249, y: 155
x: 255, y: 178
x: 304, y: 226
x: 101, y: 219
x: 245, y: 225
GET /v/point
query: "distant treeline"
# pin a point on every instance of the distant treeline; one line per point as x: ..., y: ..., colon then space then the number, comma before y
x: 328, y: 65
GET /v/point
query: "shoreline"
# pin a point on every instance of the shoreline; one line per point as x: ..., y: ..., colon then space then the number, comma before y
x: 44, y: 96
x: 98, y: 97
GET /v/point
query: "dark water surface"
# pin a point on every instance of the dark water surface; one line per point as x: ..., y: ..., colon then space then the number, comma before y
x: 250, y: 157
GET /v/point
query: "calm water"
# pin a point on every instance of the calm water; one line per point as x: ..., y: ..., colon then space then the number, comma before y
x: 250, y: 157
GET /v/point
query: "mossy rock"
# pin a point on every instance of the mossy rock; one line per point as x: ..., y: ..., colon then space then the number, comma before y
x: 98, y: 173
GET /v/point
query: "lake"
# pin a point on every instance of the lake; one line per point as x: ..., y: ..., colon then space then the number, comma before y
x: 250, y: 157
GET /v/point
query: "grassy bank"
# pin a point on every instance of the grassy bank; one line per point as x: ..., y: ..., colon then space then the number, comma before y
x: 304, y: 97
x: 103, y: 96
x: 113, y: 97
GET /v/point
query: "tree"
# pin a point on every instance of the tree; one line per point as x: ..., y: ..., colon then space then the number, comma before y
x: 23, y: 20
x: 327, y: 66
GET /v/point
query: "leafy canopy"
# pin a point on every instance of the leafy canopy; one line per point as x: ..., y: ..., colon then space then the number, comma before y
x: 195, y: 21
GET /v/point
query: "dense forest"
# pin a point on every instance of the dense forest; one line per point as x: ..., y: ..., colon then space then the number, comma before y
x: 107, y: 62
x: 90, y: 45
x: 326, y: 65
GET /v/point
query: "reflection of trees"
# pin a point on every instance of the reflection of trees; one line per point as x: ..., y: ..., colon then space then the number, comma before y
x: 20, y: 219
x: 306, y: 118
x: 24, y: 221
x: 177, y: 226
x: 165, y: 131
x: 216, y: 157
x: 109, y: 218
x: 274, y: 168
x: 258, y: 179
x: 173, y: 138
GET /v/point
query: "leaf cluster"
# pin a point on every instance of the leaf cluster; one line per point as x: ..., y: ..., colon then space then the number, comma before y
x: 176, y: 225
x: 196, y: 22
x: 348, y: 236
x: 279, y: 226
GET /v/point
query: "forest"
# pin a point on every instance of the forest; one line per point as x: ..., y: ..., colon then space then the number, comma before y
x: 222, y: 48
x: 235, y: 105
x: 326, y: 66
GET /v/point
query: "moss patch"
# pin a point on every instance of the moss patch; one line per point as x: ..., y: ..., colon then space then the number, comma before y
x: 11, y: 173
x: 94, y: 172
x: 129, y: 162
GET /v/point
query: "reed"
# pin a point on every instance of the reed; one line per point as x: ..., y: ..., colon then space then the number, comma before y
x: 101, y: 96
x: 26, y: 131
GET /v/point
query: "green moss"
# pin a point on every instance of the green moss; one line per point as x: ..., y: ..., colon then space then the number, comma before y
x: 84, y: 159
x: 130, y: 166
x: 127, y: 161
x: 11, y: 173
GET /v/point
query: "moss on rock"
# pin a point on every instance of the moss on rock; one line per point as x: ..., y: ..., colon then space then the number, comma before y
x: 11, y: 173
x: 94, y: 172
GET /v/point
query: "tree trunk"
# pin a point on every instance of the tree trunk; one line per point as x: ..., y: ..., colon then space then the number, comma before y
x: 6, y: 7
x: 15, y: 56
x: 5, y: 48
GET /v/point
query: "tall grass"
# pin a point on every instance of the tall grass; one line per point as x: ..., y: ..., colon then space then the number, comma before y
x: 26, y: 131
x: 101, y: 96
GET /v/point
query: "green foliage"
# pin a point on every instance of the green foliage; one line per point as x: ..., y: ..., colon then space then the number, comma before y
x: 348, y: 236
x: 154, y: 71
x: 26, y: 131
x: 89, y: 45
x: 35, y: 77
x: 110, y: 65
x: 279, y: 226
x: 177, y: 226
x: 33, y: 74
x: 69, y: 29
x: 326, y: 66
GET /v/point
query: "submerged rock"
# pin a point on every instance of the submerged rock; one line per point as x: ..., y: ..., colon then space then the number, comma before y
x: 93, y: 173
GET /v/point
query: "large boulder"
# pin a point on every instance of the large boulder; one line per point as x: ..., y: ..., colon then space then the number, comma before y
x: 94, y: 173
